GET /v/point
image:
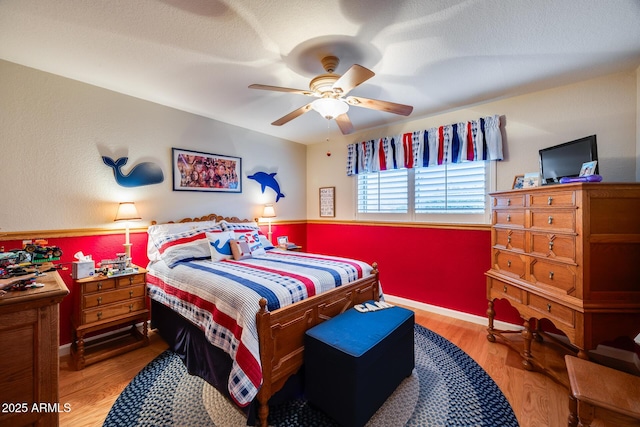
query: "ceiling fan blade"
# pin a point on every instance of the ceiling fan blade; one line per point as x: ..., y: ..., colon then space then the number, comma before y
x: 374, y: 104
x: 292, y: 115
x: 344, y: 123
x: 281, y: 89
x: 354, y: 76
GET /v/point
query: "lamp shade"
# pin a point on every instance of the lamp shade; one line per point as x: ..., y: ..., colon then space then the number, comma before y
x: 127, y: 212
x: 268, y: 212
x: 330, y: 108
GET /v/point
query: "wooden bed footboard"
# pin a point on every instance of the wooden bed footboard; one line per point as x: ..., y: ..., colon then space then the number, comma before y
x: 281, y: 332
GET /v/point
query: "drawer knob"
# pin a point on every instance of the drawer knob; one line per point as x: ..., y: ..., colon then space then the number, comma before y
x: 508, y: 202
x: 549, y: 308
x: 508, y: 239
x: 504, y: 289
x: 549, y: 200
x: 508, y: 263
x: 508, y: 218
x: 99, y: 286
x: 551, y: 275
x: 99, y: 315
x: 130, y: 280
x: 130, y: 308
x: 551, y: 245
x: 550, y: 219
x: 99, y: 300
x: 131, y: 294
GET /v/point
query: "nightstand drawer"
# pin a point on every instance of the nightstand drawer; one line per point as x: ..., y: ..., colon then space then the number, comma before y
x: 99, y: 285
x: 108, y: 297
x: 130, y: 280
x: 113, y: 310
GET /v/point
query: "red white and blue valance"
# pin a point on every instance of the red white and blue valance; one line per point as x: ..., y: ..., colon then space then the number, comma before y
x: 470, y: 141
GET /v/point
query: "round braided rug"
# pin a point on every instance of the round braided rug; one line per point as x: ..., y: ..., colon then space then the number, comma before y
x: 447, y: 388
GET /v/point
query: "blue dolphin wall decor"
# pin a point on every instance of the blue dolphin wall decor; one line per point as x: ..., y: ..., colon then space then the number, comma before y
x: 145, y: 173
x: 267, y: 180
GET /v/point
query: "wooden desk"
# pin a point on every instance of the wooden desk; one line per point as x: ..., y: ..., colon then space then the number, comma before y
x: 29, y: 346
x: 601, y: 392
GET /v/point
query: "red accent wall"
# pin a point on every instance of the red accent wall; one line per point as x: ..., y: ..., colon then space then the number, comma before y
x: 441, y: 267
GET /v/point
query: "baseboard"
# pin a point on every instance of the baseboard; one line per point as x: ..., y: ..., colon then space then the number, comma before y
x: 471, y: 318
x: 65, y: 349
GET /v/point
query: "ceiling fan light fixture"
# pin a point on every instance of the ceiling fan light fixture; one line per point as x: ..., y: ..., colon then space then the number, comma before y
x: 330, y: 108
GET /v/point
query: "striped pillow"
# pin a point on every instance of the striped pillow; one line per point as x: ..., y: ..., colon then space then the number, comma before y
x: 186, y: 246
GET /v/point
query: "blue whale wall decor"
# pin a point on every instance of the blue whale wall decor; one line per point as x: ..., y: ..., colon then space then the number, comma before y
x: 145, y: 173
x: 267, y: 180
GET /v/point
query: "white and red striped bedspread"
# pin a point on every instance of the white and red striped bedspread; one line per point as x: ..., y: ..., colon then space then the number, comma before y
x: 221, y: 298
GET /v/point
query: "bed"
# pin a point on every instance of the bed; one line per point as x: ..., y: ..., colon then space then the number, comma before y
x: 237, y: 312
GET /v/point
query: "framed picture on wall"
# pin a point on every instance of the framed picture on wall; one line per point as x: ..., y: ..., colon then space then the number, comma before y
x: 197, y: 171
x: 327, y: 201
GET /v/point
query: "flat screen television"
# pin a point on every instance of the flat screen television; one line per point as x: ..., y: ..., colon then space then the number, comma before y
x: 566, y: 159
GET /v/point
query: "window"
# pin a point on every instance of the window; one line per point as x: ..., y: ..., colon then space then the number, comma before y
x: 383, y: 192
x: 435, y: 193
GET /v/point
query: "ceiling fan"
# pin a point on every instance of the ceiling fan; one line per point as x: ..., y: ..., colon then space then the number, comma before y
x: 331, y: 90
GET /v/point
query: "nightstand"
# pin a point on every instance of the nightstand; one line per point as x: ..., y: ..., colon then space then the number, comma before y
x: 29, y: 322
x: 103, y: 303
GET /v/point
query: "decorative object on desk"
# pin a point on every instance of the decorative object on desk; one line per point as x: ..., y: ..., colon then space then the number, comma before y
x: 118, y: 266
x: 127, y: 212
x: 588, y: 168
x: 268, y: 213
x: 327, y: 201
x: 197, y: 171
x: 531, y: 179
x: 518, y: 182
x: 447, y: 387
x: 283, y: 241
x: 267, y: 180
x: 145, y: 173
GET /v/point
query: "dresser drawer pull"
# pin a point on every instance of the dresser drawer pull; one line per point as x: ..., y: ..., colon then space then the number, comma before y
x: 508, y: 218
x: 549, y: 200
x: 551, y: 275
x: 99, y: 286
x: 130, y: 308
x: 99, y: 300
x: 550, y: 246
x: 550, y: 219
x: 99, y: 315
x: 504, y: 289
x: 549, y: 308
x: 130, y: 280
x: 508, y: 239
x: 508, y: 202
x: 130, y: 294
x: 508, y: 263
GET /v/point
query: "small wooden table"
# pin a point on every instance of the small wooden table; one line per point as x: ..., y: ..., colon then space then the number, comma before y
x: 601, y: 392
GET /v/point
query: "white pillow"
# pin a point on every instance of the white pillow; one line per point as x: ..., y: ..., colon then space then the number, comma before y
x: 265, y: 242
x: 158, y: 232
x: 220, y: 244
x: 239, y: 227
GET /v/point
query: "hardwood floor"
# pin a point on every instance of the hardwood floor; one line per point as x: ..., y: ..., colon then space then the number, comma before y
x: 536, y: 399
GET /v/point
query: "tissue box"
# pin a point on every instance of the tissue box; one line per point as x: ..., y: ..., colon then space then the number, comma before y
x: 82, y: 269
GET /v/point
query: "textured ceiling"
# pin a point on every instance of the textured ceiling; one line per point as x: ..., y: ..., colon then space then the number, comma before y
x: 200, y: 56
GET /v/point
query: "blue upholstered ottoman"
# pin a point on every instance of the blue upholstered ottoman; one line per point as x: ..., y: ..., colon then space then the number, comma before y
x: 354, y: 361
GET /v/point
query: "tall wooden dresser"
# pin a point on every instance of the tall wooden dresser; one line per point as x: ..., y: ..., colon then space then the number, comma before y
x: 29, y: 341
x: 569, y: 253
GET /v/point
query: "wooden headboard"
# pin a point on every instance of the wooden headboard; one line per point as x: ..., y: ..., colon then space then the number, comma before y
x: 210, y: 217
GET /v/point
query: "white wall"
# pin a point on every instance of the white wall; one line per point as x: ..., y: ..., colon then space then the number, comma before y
x: 53, y: 132
x: 608, y: 107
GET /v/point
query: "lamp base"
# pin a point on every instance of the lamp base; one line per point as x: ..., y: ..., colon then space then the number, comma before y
x: 127, y: 252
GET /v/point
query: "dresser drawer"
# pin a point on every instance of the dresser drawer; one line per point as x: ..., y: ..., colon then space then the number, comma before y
x: 99, y: 285
x: 552, y: 310
x: 503, y: 290
x: 108, y: 297
x: 511, y: 218
x: 559, y: 276
x: 548, y: 219
x: 558, y: 199
x: 112, y: 310
x: 509, y: 239
x: 510, y: 201
x: 561, y: 247
x: 509, y: 263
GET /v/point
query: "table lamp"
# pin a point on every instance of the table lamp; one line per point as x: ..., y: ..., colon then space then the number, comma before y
x: 269, y: 213
x: 127, y: 212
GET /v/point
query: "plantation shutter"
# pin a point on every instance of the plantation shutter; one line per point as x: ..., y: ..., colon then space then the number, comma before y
x: 451, y: 188
x: 383, y: 192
